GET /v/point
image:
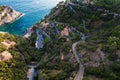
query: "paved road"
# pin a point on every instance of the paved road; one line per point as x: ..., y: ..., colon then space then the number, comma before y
x: 40, y: 39
x: 79, y: 75
x: 31, y: 73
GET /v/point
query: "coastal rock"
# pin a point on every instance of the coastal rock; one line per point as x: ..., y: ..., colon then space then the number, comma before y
x: 7, y: 15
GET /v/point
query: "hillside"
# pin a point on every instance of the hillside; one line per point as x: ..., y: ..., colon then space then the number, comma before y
x: 12, y: 66
x: 7, y: 15
x: 78, y: 40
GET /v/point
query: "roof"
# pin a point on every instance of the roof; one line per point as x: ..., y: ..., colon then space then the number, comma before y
x: 3, y: 33
x: 5, y: 56
x: 8, y: 43
x: 65, y: 32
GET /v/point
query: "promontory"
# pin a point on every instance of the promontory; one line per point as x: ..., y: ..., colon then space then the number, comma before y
x: 7, y: 15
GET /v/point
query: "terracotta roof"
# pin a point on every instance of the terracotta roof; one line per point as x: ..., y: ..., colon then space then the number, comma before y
x: 8, y: 44
x: 65, y: 32
x: 28, y: 34
x: 5, y: 56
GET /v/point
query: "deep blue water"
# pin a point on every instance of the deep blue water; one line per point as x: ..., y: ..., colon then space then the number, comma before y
x: 34, y: 11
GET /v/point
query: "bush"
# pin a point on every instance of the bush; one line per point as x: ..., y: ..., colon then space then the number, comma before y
x: 2, y: 49
x: 112, y: 57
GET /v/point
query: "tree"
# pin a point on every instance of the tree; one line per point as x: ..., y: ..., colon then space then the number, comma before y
x: 113, y: 5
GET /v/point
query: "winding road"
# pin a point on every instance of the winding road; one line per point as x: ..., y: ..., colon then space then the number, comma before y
x: 79, y: 75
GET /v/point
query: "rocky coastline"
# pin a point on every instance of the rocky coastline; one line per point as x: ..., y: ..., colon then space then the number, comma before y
x: 8, y: 15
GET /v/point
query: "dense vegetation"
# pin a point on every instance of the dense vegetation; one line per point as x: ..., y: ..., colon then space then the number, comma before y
x: 102, y: 28
x: 104, y: 32
x: 15, y: 68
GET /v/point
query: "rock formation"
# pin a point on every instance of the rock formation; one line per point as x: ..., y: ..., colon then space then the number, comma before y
x: 7, y: 15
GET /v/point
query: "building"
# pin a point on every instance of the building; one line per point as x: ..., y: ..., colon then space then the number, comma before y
x: 3, y: 33
x: 7, y: 44
x: 28, y: 33
x: 65, y: 32
x: 5, y: 56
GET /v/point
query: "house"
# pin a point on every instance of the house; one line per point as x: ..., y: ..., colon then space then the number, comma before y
x: 5, y: 56
x: 7, y: 44
x: 45, y: 24
x: 3, y: 33
x: 65, y: 32
x: 28, y: 33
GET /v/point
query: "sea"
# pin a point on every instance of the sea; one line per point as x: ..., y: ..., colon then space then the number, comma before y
x: 33, y: 10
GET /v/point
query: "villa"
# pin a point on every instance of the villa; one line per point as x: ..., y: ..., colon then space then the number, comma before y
x: 28, y: 34
x: 7, y: 44
x: 45, y: 24
x: 3, y: 33
x: 65, y: 32
x: 5, y: 56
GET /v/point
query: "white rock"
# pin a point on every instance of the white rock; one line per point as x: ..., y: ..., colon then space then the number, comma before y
x: 7, y: 15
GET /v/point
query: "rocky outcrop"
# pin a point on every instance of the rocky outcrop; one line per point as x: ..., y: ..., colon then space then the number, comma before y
x: 97, y: 58
x: 7, y: 15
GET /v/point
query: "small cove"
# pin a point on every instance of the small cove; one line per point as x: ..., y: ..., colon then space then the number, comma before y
x: 34, y: 11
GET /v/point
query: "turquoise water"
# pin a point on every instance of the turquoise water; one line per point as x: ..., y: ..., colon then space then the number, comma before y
x: 34, y: 11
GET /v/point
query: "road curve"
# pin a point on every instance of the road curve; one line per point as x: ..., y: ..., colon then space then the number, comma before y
x: 80, y: 73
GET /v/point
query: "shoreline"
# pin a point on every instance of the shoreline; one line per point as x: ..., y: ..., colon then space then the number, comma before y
x: 45, y: 18
x: 8, y: 15
x: 42, y: 20
x: 21, y: 15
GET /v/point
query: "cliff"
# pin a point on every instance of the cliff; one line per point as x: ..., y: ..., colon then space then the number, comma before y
x: 7, y: 15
